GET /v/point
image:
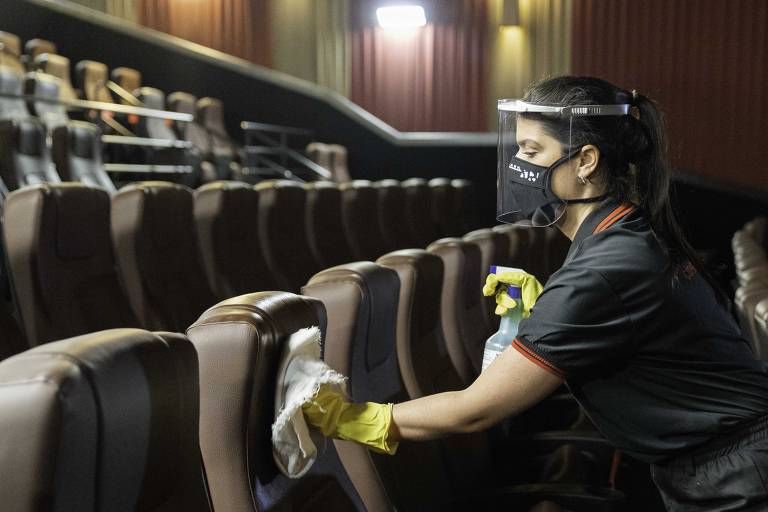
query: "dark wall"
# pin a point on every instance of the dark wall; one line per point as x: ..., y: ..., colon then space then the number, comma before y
x: 710, y: 211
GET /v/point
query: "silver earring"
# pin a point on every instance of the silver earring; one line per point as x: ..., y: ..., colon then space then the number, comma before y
x: 583, y: 180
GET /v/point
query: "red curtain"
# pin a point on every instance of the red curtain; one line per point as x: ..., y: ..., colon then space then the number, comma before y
x: 703, y: 61
x: 430, y: 79
x: 236, y: 27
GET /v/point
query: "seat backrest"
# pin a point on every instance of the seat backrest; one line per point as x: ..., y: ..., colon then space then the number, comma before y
x: 325, y: 224
x: 127, y: 78
x: 361, y: 219
x: 24, y: 155
x: 445, y: 208
x: 91, y: 78
x: 77, y: 154
x: 104, y: 421
x: 239, y: 342
x: 42, y: 85
x: 191, y: 131
x: 10, y: 51
x: 519, y: 244
x: 494, y: 251
x: 393, y: 220
x: 35, y: 47
x: 761, y: 324
x: 361, y: 304
x: 153, y: 127
x: 61, y: 262
x: 463, y: 198
x: 321, y: 154
x: 340, y: 169
x: 12, y: 82
x: 210, y: 114
x: 283, y: 233
x: 425, y: 364
x: 226, y: 216
x: 418, y: 207
x: 153, y: 230
x: 746, y: 300
x: 462, y: 312
x: 58, y: 66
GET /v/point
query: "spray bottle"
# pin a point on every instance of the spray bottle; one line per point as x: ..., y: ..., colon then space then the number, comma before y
x: 503, y: 338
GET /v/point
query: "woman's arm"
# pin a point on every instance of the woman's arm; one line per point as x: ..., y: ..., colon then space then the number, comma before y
x: 509, y: 386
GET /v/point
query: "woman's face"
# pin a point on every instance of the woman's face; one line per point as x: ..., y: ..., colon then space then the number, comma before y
x: 540, y: 148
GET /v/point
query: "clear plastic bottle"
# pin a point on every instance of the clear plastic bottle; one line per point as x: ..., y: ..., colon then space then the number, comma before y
x: 502, y: 338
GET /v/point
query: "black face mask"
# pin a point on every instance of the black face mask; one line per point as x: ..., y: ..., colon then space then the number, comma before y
x: 527, y: 195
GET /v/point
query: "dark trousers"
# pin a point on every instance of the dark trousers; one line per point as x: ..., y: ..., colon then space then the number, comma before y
x: 730, y: 473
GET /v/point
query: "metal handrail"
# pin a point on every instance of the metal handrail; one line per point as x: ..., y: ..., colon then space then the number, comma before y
x: 265, y: 127
x: 124, y: 94
x: 273, y: 146
x: 160, y: 169
x: 145, y: 141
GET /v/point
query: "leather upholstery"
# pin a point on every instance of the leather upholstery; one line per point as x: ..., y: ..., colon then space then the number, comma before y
x: 226, y: 213
x: 462, y: 311
x: 61, y: 262
x: 238, y: 342
x: 102, y: 422
x: 153, y: 127
x: 57, y: 66
x: 361, y: 303
x: 91, y: 77
x: 42, y: 85
x: 210, y: 115
x: 325, y: 225
x: 361, y: 219
x: 11, y: 82
x: 418, y: 207
x: 393, y: 219
x: 77, y: 153
x: 35, y: 47
x: 156, y: 245
x: 127, y: 78
x: 10, y: 51
x: 446, y: 210
x: 192, y: 131
x: 283, y: 235
x: 24, y: 157
x: 340, y: 169
x: 761, y: 327
x: 494, y: 250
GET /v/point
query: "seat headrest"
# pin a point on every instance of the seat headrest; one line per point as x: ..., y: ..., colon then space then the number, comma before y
x: 210, y: 110
x: 127, y: 78
x: 322, y: 187
x: 91, y: 70
x: 76, y: 206
x: 182, y: 102
x: 10, y: 80
x: 83, y: 138
x: 414, y: 182
x: 167, y: 206
x: 387, y: 184
x: 35, y: 47
x: 278, y: 185
x: 151, y: 97
x: 356, y: 185
x: 53, y: 64
x: 30, y: 137
x: 11, y: 44
x: 42, y: 85
x: 439, y: 182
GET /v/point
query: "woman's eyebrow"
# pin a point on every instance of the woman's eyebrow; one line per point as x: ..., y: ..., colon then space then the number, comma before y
x: 528, y: 142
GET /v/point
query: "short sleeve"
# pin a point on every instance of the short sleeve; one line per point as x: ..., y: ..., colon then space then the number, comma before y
x: 578, y: 326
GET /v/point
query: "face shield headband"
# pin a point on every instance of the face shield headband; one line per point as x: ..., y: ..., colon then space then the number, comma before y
x: 524, y: 189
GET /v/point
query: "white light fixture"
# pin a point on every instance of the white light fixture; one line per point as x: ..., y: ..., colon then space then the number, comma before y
x: 401, y: 16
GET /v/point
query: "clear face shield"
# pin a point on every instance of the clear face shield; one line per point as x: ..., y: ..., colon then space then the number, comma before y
x: 528, y: 156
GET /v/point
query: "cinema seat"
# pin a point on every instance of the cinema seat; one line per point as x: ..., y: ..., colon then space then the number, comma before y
x: 42, y: 85
x: 446, y: 209
x: 462, y: 311
x: 37, y: 46
x: 761, y: 327
x: 418, y: 209
x: 201, y: 153
x: 210, y: 115
x: 10, y: 51
x: 58, y: 66
x: 102, y: 422
x: 91, y: 78
x: 153, y: 230
x: 361, y: 300
x: 392, y: 216
x: 325, y: 225
x: 494, y: 251
x: 361, y: 221
x: 239, y: 342
x: 11, y: 83
x: 340, y: 169
x: 24, y: 155
x: 226, y: 216
x: 128, y: 79
x: 77, y: 154
x: 746, y: 300
x: 283, y: 233
x: 61, y: 262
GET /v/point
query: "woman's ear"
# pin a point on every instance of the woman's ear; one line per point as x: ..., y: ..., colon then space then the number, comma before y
x: 589, y: 158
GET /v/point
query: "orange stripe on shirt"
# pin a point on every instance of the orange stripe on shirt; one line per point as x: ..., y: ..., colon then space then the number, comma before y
x: 537, y: 359
x: 614, y: 217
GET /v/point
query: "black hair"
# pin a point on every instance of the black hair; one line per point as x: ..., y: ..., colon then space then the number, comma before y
x: 633, y: 155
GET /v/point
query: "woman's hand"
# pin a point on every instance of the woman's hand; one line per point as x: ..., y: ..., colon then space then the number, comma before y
x: 509, y: 386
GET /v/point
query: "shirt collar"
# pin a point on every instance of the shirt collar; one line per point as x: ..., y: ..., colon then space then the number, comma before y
x: 610, y: 207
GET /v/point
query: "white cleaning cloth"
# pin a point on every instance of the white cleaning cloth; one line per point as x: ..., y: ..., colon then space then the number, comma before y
x: 299, y: 376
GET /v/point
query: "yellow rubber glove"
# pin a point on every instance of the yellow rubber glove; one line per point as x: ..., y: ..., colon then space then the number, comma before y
x: 530, y: 289
x: 366, y: 423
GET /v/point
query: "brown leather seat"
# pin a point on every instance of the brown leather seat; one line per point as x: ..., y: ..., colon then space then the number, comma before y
x: 283, y: 233
x: 325, y: 224
x: 57, y: 66
x: 463, y: 197
x: 494, y: 251
x: 361, y: 303
x: 210, y: 115
x: 361, y: 220
x: 418, y: 207
x: 239, y: 342
x: 157, y: 251
x: 92, y: 77
x: 77, y: 152
x: 129, y: 80
x: 447, y: 213
x: 761, y: 328
x: 61, y: 262
x: 462, y: 312
x: 35, y: 47
x: 201, y: 153
x: 24, y: 156
x: 519, y: 244
x: 102, y: 422
x: 393, y: 219
x: 226, y: 214
x: 746, y: 300
x: 340, y: 170
x: 10, y: 51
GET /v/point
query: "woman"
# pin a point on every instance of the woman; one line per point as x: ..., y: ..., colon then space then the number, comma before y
x: 631, y: 322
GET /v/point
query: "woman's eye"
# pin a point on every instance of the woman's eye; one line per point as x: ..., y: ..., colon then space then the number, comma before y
x: 530, y: 154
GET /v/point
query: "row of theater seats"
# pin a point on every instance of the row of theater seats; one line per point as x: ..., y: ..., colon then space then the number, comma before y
x: 750, y: 245
x: 118, y: 445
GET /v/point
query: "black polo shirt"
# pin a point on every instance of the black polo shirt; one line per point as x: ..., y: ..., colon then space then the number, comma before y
x: 659, y: 366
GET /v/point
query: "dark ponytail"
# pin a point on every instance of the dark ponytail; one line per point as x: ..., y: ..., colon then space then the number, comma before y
x: 633, y: 150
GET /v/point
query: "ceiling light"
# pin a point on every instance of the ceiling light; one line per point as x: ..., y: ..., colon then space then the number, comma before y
x: 401, y: 16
